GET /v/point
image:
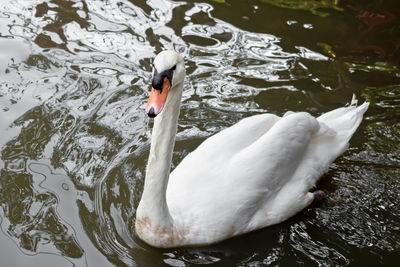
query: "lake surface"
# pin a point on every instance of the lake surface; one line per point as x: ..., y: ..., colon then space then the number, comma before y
x: 74, y: 137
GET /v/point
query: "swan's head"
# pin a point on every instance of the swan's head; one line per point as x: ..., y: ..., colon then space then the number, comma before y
x: 168, y: 73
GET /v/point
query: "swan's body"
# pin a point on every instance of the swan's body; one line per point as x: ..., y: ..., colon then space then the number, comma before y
x: 254, y: 174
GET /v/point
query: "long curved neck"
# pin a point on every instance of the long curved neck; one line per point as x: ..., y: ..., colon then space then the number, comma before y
x: 153, y: 205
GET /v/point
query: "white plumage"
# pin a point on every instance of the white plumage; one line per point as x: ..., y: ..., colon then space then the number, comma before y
x: 253, y: 174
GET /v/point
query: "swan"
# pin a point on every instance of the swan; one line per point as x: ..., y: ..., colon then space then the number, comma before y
x: 253, y: 174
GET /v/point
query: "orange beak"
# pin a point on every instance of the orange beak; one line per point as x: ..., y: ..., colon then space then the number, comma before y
x: 157, y: 99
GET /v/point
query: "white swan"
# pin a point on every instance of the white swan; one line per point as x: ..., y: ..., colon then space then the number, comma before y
x: 254, y: 174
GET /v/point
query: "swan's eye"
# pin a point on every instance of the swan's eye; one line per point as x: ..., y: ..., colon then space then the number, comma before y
x: 158, y: 77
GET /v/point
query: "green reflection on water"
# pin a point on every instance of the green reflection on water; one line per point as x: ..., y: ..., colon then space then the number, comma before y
x: 314, y: 6
x: 33, y: 219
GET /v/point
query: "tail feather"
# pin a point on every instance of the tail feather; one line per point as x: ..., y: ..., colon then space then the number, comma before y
x: 345, y: 120
x: 336, y: 129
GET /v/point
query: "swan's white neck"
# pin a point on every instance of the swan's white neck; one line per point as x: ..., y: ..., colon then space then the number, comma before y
x: 153, y: 221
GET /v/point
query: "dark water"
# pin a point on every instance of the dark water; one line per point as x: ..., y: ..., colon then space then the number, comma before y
x: 74, y: 78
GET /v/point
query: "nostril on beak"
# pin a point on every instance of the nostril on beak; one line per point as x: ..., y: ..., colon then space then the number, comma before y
x: 151, y: 113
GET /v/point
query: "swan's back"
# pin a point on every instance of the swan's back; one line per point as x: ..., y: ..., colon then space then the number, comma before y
x: 331, y: 140
x: 256, y: 173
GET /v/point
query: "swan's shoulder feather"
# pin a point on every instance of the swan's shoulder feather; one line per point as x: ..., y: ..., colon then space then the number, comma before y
x: 240, y: 135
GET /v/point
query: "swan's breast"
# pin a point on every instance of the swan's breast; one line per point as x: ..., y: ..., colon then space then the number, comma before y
x: 158, y: 236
